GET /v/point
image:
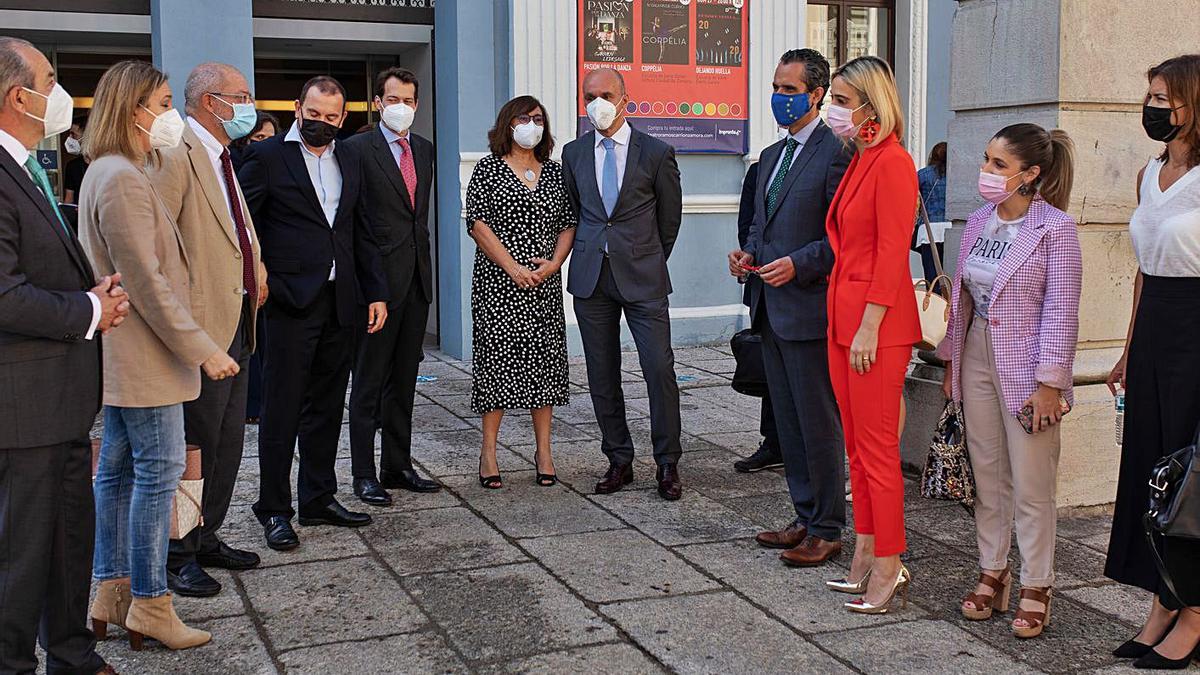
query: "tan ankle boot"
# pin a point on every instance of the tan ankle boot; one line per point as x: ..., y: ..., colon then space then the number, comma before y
x: 156, y: 618
x: 110, y: 606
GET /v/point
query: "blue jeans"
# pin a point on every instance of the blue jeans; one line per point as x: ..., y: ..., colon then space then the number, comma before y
x: 141, y: 461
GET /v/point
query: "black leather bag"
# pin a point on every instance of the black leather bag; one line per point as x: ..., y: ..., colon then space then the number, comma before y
x: 749, y: 377
x: 1174, y: 509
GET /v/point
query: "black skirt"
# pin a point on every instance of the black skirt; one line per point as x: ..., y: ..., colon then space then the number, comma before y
x: 1162, y: 410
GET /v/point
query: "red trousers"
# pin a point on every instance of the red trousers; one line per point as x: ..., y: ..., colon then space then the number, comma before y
x: 870, y: 408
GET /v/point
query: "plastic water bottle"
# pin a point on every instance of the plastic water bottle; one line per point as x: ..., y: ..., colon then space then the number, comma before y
x: 1119, y: 404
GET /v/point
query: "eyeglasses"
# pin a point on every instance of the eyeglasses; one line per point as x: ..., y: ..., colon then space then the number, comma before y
x: 233, y: 98
x: 536, y: 119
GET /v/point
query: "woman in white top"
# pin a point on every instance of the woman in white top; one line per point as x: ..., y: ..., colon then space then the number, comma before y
x: 1160, y: 368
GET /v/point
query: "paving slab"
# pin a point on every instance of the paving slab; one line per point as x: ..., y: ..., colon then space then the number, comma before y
x: 1127, y: 603
x: 409, y: 653
x: 718, y: 633
x: 224, y: 604
x: 507, y: 612
x: 456, y: 453
x: 768, y: 511
x: 437, y: 540
x: 333, y: 601
x: 524, y: 509
x: 581, y: 464
x: 517, y: 428
x: 614, y: 659
x: 235, y: 648
x: 617, y: 565
x: 242, y: 530
x: 740, y: 443
x: 712, y: 474
x: 926, y: 647
x: 434, y: 417
x: 692, y: 519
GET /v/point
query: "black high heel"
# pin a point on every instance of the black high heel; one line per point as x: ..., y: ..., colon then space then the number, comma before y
x: 546, y: 479
x: 1155, y: 661
x: 489, y: 482
x: 1132, y: 649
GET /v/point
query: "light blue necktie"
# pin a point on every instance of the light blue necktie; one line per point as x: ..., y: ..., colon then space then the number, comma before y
x: 43, y: 182
x: 608, y: 180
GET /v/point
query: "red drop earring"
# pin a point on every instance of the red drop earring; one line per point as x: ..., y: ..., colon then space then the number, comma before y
x: 869, y: 131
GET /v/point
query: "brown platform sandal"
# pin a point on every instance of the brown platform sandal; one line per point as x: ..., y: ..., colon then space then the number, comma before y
x: 986, y: 605
x: 1036, y: 620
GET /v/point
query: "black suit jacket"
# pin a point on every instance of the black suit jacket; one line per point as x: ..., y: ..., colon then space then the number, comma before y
x: 644, y: 222
x: 298, y: 245
x: 50, y: 377
x: 401, y: 229
x: 746, y: 216
x: 796, y: 229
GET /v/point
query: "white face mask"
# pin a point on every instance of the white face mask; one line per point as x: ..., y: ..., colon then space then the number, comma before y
x: 166, y: 131
x: 72, y: 146
x: 527, y: 135
x: 59, y: 106
x: 398, y: 117
x: 601, y: 113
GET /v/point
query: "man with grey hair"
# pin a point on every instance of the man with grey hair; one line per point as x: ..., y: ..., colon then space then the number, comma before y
x: 197, y: 184
x: 51, y: 309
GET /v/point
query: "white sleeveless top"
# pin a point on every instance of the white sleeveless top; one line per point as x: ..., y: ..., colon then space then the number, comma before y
x: 1165, y: 227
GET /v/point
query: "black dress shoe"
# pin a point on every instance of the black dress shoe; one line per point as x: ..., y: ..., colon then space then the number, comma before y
x: 371, y: 492
x: 763, y: 458
x: 192, y: 581
x: 228, y: 558
x: 409, y: 480
x: 617, y: 477
x: 333, y: 513
x: 280, y: 535
x: 670, y: 487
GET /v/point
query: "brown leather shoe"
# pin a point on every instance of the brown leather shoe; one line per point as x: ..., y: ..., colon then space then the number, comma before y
x: 617, y: 477
x: 811, y: 552
x: 789, y: 537
x: 670, y: 487
x: 107, y: 670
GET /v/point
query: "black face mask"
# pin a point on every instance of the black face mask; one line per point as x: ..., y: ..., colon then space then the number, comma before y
x: 1157, y: 123
x: 317, y: 133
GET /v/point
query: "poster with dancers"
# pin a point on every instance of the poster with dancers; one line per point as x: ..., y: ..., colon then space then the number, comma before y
x: 607, y: 31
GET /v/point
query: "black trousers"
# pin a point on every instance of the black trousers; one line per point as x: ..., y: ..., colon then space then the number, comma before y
x: 254, y: 390
x: 600, y: 326
x: 47, y: 532
x: 307, y: 368
x: 216, y: 423
x: 810, y: 429
x: 385, y: 384
x: 1162, y: 411
x: 767, y: 426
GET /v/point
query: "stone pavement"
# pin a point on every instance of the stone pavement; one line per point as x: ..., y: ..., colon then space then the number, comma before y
x: 558, y: 580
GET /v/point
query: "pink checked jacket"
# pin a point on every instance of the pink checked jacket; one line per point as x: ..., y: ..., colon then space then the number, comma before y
x: 1034, y: 312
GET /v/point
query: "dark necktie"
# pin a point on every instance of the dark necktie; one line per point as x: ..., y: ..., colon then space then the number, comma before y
x: 43, y: 183
x: 777, y: 184
x: 239, y: 221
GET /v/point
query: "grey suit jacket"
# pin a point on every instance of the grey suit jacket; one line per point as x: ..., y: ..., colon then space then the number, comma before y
x: 644, y: 223
x: 49, y: 375
x: 796, y: 229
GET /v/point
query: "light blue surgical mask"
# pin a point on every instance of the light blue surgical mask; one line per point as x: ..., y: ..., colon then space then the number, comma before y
x: 243, y: 120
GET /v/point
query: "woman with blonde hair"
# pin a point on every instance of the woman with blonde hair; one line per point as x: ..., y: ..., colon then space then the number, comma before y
x: 873, y: 321
x: 151, y: 366
x: 1010, y: 351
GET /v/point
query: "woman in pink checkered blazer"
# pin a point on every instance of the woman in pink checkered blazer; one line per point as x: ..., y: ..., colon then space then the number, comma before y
x: 1011, y: 349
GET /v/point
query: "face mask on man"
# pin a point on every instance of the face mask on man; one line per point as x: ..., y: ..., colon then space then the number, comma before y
x: 57, y: 117
x: 527, y: 135
x: 1157, y: 123
x: 994, y: 188
x: 788, y: 108
x: 243, y: 120
x: 317, y: 133
x: 602, y: 113
x: 166, y: 131
x: 398, y: 117
x: 72, y: 146
x: 841, y: 120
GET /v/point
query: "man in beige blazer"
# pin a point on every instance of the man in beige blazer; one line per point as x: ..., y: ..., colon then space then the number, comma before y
x: 229, y: 283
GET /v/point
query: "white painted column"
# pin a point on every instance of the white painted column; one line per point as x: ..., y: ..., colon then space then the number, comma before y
x: 545, y: 60
x: 918, y: 56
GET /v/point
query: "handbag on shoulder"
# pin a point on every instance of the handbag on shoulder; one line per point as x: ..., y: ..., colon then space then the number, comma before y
x: 933, y: 301
x: 1174, y: 509
x: 186, y: 514
x: 749, y: 376
x: 947, y: 473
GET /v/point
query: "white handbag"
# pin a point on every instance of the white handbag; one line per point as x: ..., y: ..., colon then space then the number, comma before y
x: 186, y: 514
x: 933, y: 299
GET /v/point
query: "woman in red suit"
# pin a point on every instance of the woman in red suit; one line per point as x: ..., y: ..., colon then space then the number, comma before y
x: 873, y: 321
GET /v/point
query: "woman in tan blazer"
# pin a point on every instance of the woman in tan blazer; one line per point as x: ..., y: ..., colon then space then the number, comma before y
x: 150, y: 368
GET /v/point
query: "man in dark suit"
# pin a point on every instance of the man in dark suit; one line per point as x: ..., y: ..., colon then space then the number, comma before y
x: 625, y: 187
x: 796, y: 184
x: 768, y: 454
x: 50, y: 311
x: 397, y: 168
x: 304, y: 194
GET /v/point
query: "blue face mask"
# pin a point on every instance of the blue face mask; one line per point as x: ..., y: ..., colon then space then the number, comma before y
x: 243, y: 121
x: 789, y: 108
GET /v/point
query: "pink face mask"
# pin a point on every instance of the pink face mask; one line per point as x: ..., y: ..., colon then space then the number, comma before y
x: 995, y: 188
x: 841, y: 120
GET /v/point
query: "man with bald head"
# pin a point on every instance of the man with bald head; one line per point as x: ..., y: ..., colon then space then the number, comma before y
x: 197, y: 184
x: 625, y: 187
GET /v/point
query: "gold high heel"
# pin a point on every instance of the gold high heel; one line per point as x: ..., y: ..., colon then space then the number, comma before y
x: 861, y: 606
x: 844, y: 585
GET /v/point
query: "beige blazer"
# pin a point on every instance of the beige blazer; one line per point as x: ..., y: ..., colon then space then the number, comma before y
x: 153, y: 359
x: 193, y: 195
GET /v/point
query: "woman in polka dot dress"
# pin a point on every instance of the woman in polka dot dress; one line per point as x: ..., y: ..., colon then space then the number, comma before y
x: 523, y: 226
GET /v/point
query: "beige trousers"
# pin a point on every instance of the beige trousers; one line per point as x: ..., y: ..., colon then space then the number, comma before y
x: 1015, y: 472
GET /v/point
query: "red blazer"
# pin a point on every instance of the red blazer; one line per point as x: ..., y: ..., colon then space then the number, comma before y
x: 870, y: 227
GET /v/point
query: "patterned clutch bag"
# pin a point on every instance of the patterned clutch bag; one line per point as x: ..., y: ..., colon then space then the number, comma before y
x: 947, y: 473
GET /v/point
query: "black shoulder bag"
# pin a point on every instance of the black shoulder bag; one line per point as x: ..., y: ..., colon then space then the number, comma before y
x: 749, y: 376
x: 1174, y: 509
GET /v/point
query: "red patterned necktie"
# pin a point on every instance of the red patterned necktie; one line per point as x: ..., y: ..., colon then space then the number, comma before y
x: 239, y: 220
x: 408, y: 170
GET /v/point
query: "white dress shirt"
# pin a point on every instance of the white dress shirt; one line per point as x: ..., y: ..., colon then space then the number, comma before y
x: 620, y: 148
x: 214, y: 149
x: 801, y: 137
x: 20, y: 155
x: 326, y: 177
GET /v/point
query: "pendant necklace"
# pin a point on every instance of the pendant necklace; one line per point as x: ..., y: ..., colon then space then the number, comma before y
x: 530, y: 175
